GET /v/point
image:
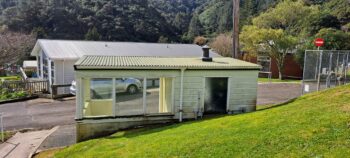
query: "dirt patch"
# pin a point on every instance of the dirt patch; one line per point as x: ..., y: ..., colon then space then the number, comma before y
x: 345, y: 108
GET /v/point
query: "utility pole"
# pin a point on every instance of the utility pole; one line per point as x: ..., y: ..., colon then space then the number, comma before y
x: 235, y: 31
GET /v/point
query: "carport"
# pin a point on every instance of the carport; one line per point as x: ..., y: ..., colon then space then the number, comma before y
x: 115, y: 92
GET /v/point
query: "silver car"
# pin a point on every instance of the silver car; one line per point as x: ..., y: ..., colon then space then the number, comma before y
x: 129, y: 85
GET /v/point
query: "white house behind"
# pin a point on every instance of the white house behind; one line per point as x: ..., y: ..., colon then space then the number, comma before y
x: 55, y: 58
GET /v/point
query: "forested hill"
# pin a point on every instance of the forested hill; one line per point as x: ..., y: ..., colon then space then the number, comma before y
x: 124, y: 20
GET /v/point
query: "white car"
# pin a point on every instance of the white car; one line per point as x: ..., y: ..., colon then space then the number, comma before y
x: 129, y: 85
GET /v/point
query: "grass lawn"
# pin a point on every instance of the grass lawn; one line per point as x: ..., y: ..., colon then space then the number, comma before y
x: 265, y: 80
x: 47, y: 153
x: 314, y: 125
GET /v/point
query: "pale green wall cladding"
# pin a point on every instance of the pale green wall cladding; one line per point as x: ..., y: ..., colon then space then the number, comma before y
x: 243, y: 85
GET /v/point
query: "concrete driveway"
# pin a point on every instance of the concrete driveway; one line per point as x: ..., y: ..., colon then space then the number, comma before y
x: 46, y: 113
x: 38, y: 114
x: 275, y: 93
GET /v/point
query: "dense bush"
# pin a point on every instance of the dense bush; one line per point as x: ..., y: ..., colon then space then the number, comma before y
x: 6, y: 94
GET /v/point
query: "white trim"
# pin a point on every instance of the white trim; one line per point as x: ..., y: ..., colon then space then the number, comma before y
x: 49, y: 74
x: 114, y: 104
x: 79, y: 101
x: 37, y: 66
x: 144, y: 95
x: 41, y: 65
x: 203, y: 94
x: 181, y: 93
x: 173, y: 95
x: 229, y: 80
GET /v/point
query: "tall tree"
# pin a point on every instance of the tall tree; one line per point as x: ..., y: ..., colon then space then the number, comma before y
x: 275, y: 43
x: 195, y: 28
x: 93, y: 35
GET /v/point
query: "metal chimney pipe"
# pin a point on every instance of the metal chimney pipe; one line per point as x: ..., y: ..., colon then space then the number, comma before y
x: 206, y: 56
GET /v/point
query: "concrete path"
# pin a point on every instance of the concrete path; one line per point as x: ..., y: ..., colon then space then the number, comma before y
x: 23, y: 145
x: 63, y: 136
x: 275, y: 93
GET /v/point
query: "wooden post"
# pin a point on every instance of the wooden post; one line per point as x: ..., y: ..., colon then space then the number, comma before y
x: 235, y: 31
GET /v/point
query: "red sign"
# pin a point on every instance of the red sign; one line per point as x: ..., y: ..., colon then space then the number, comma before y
x: 319, y: 42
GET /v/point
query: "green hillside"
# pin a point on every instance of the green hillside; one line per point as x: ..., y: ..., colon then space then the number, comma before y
x: 315, y: 125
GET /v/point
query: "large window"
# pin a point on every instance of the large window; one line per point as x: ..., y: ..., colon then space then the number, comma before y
x: 98, y: 98
x: 52, y: 72
x: 159, y: 95
x: 127, y: 96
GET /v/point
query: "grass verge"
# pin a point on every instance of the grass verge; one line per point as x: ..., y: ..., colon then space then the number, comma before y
x: 314, y: 125
x: 266, y: 80
x: 7, y: 135
x: 47, y: 153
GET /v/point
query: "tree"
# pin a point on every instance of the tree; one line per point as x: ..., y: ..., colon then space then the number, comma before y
x: 318, y: 20
x: 334, y: 39
x: 222, y: 44
x: 195, y: 28
x: 14, y: 47
x: 287, y: 15
x: 275, y: 43
x: 340, y: 9
x: 163, y: 39
x: 200, y: 40
x: 93, y: 35
x: 181, y: 22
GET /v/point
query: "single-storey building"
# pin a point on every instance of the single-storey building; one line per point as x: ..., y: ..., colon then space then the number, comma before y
x: 189, y: 88
x: 55, y: 58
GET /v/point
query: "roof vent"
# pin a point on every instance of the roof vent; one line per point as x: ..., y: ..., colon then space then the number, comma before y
x: 206, y: 56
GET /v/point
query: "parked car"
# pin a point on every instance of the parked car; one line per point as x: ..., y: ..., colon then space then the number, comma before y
x: 129, y: 85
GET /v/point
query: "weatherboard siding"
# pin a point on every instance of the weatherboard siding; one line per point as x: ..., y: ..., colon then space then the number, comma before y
x: 64, y: 74
x: 243, y: 85
x: 243, y: 89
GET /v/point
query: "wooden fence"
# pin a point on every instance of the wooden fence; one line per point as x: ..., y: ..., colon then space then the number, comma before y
x: 41, y: 86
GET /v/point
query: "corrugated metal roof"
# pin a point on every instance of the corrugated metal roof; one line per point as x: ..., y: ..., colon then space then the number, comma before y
x: 73, y: 50
x: 120, y: 62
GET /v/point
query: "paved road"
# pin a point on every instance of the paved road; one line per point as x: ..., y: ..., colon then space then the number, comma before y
x: 37, y: 114
x: 45, y: 113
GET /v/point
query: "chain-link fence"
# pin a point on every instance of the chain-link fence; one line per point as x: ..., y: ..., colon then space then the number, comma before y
x: 325, y: 69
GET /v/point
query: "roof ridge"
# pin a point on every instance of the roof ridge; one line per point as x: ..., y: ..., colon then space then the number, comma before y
x: 131, y: 42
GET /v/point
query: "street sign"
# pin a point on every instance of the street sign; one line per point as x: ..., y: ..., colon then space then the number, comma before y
x: 319, y: 42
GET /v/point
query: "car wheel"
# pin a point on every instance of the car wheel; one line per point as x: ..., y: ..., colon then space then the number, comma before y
x: 132, y: 89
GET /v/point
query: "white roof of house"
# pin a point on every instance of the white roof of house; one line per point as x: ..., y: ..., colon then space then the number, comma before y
x: 73, y: 50
x: 29, y: 63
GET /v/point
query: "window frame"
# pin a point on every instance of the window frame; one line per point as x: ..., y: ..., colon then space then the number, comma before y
x: 114, y: 97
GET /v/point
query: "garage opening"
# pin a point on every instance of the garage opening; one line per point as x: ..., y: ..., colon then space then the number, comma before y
x: 215, y: 101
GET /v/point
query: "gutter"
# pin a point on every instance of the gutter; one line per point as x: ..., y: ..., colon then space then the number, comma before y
x: 181, y: 94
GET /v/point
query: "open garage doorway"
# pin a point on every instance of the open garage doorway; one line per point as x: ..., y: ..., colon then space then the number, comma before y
x: 215, y: 101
